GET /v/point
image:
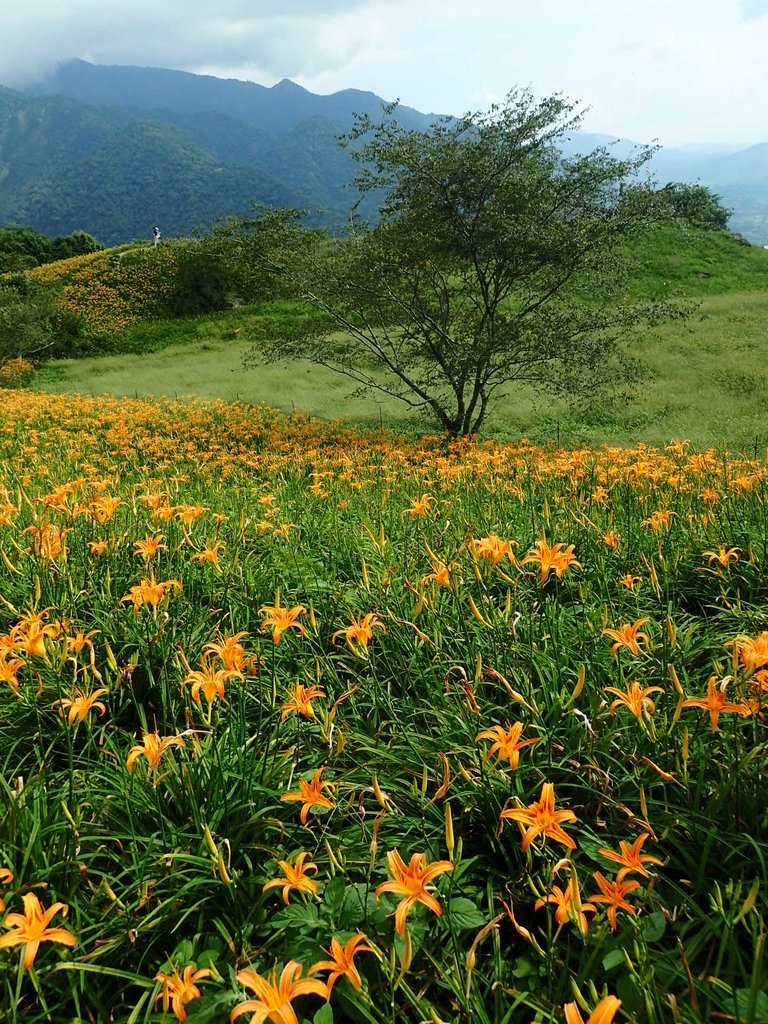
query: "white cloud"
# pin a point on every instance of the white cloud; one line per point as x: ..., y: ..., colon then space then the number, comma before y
x: 678, y: 71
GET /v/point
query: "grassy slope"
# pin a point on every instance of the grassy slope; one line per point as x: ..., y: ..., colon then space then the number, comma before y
x: 706, y: 378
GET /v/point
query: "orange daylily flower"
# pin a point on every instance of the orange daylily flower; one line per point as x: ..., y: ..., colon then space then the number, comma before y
x: 31, y: 928
x: 492, y: 548
x: 631, y: 857
x: 301, y: 698
x: 629, y: 581
x: 420, y: 506
x: 658, y: 519
x: 542, y: 819
x: 149, y: 591
x: 722, y: 556
x: 210, y: 553
x: 603, y: 1013
x: 359, y: 634
x: 275, y: 998
x: 80, y: 704
x: 149, y: 547
x: 506, y: 742
x: 715, y: 701
x: 628, y: 636
x: 9, y: 668
x: 209, y: 680
x: 342, y: 964
x: 636, y: 698
x: 752, y: 652
x: 281, y: 619
x: 310, y: 794
x: 229, y: 650
x: 557, y: 559
x: 614, y: 894
x: 296, y: 876
x: 569, y: 905
x: 441, y: 574
x: 411, y: 881
x: 180, y: 989
x: 6, y: 877
x: 152, y: 747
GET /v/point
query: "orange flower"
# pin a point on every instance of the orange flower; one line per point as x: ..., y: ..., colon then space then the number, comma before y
x: 441, y: 574
x: 342, y: 964
x: 569, y: 905
x: 149, y: 591
x: 420, y: 506
x: 636, y: 699
x: 658, y: 519
x: 149, y: 547
x: 9, y: 668
x: 629, y: 581
x: 411, y: 881
x: 179, y: 989
x: 614, y: 894
x: 752, y: 651
x: 31, y: 928
x: 274, y: 1000
x: 506, y: 742
x: 209, y: 680
x: 631, y: 858
x: 80, y: 704
x: 715, y: 702
x: 557, y: 559
x: 722, y: 556
x: 153, y: 748
x: 210, y: 553
x: 310, y: 794
x: 281, y: 618
x: 542, y: 818
x: 296, y: 876
x: 6, y: 877
x: 301, y: 698
x: 359, y: 634
x: 492, y: 548
x: 229, y: 650
x: 603, y: 1013
x: 629, y: 637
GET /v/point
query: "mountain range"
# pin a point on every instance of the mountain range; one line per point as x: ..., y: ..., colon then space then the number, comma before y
x: 113, y: 150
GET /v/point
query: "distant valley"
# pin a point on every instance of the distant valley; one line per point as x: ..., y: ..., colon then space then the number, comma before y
x: 114, y: 150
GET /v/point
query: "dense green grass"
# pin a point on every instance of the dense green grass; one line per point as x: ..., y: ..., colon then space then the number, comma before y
x: 706, y: 381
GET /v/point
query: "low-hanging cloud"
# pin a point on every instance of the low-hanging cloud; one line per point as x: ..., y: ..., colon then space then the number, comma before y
x: 281, y: 40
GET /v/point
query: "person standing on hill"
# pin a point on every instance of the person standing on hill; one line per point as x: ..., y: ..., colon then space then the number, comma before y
x: 156, y: 235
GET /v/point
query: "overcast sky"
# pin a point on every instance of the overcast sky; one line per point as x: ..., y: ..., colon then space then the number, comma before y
x: 680, y: 71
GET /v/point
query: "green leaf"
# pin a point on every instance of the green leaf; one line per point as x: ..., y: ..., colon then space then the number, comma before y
x: 301, y: 916
x: 613, y: 959
x: 464, y: 914
x: 742, y: 1007
x: 333, y: 896
x: 654, y: 926
x: 324, y: 1015
x: 523, y: 968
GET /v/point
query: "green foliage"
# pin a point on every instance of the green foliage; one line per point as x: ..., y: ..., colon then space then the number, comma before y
x: 22, y: 247
x: 695, y: 204
x: 27, y: 318
x: 496, y: 261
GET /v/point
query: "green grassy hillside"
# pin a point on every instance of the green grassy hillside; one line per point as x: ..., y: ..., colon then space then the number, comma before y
x: 706, y: 377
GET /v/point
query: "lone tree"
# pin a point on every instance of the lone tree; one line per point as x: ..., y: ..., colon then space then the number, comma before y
x: 496, y: 261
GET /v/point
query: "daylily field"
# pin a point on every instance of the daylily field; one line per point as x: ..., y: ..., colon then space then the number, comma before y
x: 303, y: 724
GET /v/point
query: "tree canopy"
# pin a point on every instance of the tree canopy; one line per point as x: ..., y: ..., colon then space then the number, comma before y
x: 495, y: 261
